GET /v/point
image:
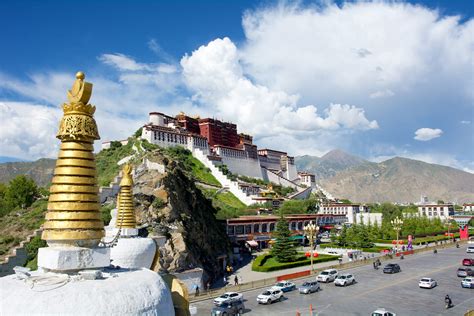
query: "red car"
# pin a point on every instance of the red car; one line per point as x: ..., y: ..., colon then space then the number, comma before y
x: 468, y: 262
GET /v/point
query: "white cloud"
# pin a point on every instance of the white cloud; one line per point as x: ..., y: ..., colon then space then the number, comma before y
x: 28, y: 130
x: 122, y: 62
x: 382, y: 94
x: 215, y: 74
x: 465, y: 122
x: 425, y: 134
x: 358, y: 49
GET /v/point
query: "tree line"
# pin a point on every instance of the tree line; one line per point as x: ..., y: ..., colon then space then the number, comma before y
x: 19, y: 193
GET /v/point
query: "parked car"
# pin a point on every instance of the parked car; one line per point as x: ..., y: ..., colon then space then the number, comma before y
x: 284, y: 286
x: 344, y: 279
x: 309, y: 287
x: 465, y: 272
x: 229, y: 309
x: 269, y: 296
x: 470, y: 249
x: 468, y: 262
x: 391, y: 268
x: 228, y: 297
x: 383, y: 312
x: 328, y: 275
x: 468, y: 282
x: 427, y: 283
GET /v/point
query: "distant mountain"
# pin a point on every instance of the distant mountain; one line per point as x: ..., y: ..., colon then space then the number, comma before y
x: 41, y: 170
x: 9, y: 159
x: 330, y: 164
x: 401, y: 180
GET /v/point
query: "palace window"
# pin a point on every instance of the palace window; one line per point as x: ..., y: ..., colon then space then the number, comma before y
x: 239, y: 229
x: 230, y: 230
x: 272, y: 227
x: 248, y: 229
x: 256, y: 228
x: 264, y: 228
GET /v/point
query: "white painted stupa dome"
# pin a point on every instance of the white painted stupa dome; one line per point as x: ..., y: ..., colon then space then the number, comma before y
x: 137, y: 292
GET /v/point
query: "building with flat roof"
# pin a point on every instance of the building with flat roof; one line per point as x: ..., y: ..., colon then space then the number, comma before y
x: 431, y: 210
x: 258, y: 229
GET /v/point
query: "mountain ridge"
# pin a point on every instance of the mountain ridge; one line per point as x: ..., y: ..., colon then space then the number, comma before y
x: 396, y: 179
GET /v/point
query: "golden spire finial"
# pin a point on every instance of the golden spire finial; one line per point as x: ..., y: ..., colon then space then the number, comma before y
x: 73, y: 216
x: 126, y: 212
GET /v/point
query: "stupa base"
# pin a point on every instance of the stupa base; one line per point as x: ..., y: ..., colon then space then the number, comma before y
x: 136, y: 292
x: 64, y: 259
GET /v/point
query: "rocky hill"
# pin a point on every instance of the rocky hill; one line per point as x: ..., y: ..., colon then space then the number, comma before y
x: 41, y: 170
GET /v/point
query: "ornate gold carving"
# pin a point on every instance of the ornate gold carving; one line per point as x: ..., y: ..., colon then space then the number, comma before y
x: 78, y: 126
x: 73, y: 216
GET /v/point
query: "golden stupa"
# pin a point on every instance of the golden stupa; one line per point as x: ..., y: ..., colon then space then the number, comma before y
x: 73, y: 216
x: 126, y: 212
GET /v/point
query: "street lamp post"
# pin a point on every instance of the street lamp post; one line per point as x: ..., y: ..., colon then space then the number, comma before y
x: 310, y: 230
x: 397, y: 226
x: 448, y: 222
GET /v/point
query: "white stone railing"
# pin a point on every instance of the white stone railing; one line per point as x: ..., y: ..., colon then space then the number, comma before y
x: 233, y: 186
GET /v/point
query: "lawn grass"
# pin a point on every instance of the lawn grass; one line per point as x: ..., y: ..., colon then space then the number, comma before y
x: 267, y: 263
x: 226, y: 204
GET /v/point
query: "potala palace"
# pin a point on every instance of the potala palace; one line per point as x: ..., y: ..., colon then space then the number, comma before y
x: 216, y: 143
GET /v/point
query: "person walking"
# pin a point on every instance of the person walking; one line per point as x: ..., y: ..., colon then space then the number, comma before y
x: 236, y: 280
x: 197, y: 290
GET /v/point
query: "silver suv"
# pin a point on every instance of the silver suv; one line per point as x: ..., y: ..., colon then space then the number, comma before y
x: 309, y: 287
x: 465, y: 272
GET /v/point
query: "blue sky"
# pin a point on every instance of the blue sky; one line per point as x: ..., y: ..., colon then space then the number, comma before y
x: 378, y: 79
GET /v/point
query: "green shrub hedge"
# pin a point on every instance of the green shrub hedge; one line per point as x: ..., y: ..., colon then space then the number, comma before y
x: 371, y: 249
x: 266, y: 262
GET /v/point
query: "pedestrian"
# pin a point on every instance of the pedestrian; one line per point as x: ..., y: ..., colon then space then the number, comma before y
x: 225, y: 280
x: 208, y: 285
x: 197, y: 290
x: 236, y: 280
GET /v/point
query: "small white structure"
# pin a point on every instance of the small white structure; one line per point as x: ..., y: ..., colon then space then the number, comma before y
x: 351, y: 211
x: 441, y: 211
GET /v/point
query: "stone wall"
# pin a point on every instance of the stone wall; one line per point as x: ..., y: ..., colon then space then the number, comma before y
x: 112, y: 190
x: 191, y: 278
x: 275, y: 178
x: 18, y: 256
x: 243, y: 166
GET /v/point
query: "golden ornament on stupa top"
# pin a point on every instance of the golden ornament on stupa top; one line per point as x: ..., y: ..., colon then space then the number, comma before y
x: 73, y: 216
x: 126, y: 212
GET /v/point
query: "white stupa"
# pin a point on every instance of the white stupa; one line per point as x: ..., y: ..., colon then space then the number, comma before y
x: 74, y: 277
x: 128, y: 250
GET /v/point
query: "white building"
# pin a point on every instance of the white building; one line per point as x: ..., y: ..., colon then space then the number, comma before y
x: 278, y: 162
x: 468, y: 207
x: 307, y: 179
x: 353, y: 212
x: 432, y: 211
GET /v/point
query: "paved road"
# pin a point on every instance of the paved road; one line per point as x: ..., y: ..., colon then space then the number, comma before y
x: 398, y: 292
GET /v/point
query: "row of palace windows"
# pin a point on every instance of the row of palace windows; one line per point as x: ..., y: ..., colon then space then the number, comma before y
x: 232, y: 153
x: 178, y: 139
x: 270, y: 227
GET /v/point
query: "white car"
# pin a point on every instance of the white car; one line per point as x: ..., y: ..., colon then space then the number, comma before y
x: 427, y: 283
x: 269, y: 296
x: 383, y: 312
x: 470, y: 249
x: 328, y: 275
x: 284, y: 286
x: 344, y: 279
x: 228, y: 297
x: 468, y: 282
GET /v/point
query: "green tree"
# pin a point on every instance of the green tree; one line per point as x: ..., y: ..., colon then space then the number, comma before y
x: 342, y: 238
x: 20, y: 193
x: 283, y: 249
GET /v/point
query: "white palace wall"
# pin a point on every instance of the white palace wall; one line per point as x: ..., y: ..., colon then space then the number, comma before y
x: 244, y: 166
